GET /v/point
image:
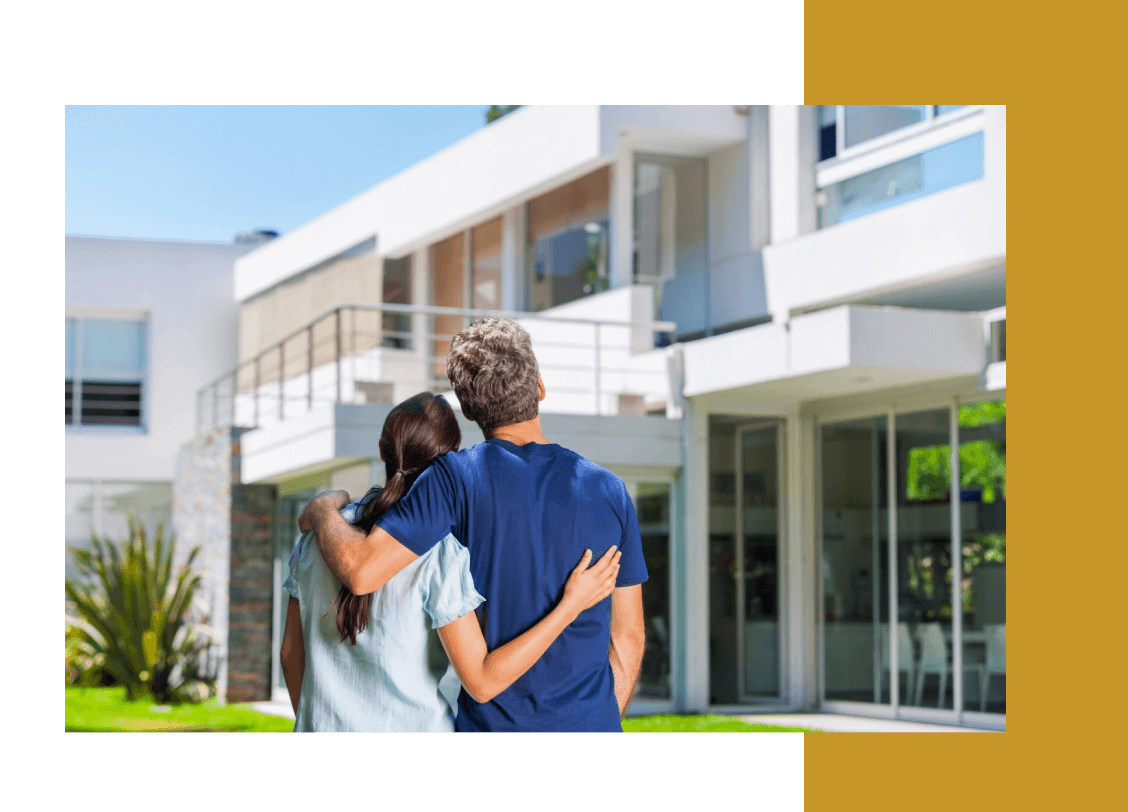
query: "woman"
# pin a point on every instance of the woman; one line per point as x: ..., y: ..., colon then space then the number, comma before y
x: 365, y: 665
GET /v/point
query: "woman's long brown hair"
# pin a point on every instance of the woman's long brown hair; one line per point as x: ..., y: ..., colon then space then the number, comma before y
x: 416, y: 431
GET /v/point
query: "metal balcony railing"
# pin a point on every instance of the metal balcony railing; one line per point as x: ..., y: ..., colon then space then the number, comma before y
x: 384, y: 353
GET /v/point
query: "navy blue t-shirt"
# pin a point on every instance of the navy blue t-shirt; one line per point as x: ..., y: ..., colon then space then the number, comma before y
x: 526, y: 514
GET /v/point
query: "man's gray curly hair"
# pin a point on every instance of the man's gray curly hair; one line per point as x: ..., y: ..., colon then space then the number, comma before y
x: 494, y: 373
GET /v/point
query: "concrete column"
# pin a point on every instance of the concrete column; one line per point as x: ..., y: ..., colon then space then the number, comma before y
x: 693, y: 693
x: 467, y: 267
x: 421, y: 295
x: 791, y: 160
x: 622, y: 216
x: 758, y: 166
x: 513, y: 259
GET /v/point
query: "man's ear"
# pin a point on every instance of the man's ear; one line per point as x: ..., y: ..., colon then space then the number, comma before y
x: 540, y: 387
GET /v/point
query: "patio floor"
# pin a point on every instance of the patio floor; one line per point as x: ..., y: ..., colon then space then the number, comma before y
x: 832, y: 722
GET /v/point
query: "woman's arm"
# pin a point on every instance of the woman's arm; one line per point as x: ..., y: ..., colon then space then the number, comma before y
x: 486, y: 674
x: 292, y: 653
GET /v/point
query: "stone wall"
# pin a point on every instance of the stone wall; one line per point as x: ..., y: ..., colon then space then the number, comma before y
x: 201, y: 516
x: 251, y: 593
x: 233, y: 525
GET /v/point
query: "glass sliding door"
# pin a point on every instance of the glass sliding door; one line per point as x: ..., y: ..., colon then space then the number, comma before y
x: 924, y: 553
x: 758, y: 503
x: 943, y: 631
x: 855, y: 564
x: 983, y: 539
x: 745, y: 551
x: 653, y: 506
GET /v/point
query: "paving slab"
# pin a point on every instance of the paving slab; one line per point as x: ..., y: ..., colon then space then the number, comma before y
x: 841, y: 723
x: 832, y: 722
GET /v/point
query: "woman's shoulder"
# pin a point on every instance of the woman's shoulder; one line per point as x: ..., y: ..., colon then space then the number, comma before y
x: 448, y: 558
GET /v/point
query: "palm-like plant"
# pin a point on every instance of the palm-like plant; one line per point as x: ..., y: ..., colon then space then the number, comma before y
x: 135, y: 619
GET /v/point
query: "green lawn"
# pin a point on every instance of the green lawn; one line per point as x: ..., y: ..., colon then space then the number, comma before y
x: 706, y: 723
x: 106, y: 709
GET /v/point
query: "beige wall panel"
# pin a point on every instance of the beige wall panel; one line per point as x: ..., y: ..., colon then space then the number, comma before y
x: 448, y: 276
x: 487, y: 239
x: 292, y: 305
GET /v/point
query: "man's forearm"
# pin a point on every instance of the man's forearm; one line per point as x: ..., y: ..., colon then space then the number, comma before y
x: 341, y: 544
x: 362, y: 562
x: 626, y: 660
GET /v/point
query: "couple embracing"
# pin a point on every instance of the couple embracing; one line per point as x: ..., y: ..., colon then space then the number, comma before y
x: 492, y: 547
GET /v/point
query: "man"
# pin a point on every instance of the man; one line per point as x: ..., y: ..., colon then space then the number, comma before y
x: 526, y: 509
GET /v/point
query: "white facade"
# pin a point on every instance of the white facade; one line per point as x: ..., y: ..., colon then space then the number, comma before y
x: 180, y: 295
x: 184, y: 294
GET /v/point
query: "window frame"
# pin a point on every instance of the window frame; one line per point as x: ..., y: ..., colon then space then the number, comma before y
x: 144, y: 375
x: 601, y: 217
x: 896, y: 145
x: 892, y: 410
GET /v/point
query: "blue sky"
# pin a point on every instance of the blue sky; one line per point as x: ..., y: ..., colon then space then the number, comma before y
x: 205, y: 173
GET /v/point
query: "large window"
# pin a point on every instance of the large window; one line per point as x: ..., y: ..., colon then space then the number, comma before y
x: 855, y: 564
x: 569, y: 241
x: 669, y: 229
x: 866, y: 163
x: 397, y: 290
x: 485, y: 268
x: 983, y: 534
x: 845, y: 126
x: 942, y: 634
x: 105, y: 374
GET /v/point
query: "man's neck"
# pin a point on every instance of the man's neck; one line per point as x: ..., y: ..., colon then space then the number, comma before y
x: 521, y: 433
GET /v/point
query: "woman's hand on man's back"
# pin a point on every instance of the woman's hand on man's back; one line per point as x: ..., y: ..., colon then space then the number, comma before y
x: 587, y: 586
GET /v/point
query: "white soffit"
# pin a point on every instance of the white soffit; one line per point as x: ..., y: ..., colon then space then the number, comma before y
x: 842, y: 350
x: 332, y: 436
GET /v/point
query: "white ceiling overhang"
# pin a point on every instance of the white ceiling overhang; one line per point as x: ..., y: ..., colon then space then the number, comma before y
x: 839, y: 351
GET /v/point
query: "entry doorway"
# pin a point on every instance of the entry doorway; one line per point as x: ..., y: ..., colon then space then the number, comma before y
x: 655, y: 507
x: 287, y: 509
x: 747, y: 514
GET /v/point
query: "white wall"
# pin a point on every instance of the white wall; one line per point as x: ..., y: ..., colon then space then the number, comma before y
x: 187, y: 291
x: 943, y: 234
x: 792, y: 156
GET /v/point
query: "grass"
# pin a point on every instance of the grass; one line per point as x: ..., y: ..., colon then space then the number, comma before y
x: 706, y: 723
x: 106, y: 709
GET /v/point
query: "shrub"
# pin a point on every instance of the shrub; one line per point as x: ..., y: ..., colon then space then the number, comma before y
x: 134, y: 620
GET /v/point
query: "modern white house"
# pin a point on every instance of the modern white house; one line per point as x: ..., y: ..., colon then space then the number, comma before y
x: 148, y: 322
x: 783, y: 327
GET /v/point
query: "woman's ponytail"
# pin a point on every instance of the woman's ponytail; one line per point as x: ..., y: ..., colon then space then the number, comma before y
x: 415, y: 433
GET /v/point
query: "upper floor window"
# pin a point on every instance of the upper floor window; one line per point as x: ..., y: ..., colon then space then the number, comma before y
x: 873, y: 157
x: 569, y: 241
x: 845, y: 126
x: 105, y: 374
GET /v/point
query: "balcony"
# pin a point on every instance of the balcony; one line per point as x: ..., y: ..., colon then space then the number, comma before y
x: 921, y: 206
x: 314, y: 400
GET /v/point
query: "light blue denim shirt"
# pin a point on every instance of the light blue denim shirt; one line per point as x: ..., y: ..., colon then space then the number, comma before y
x: 384, y: 682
